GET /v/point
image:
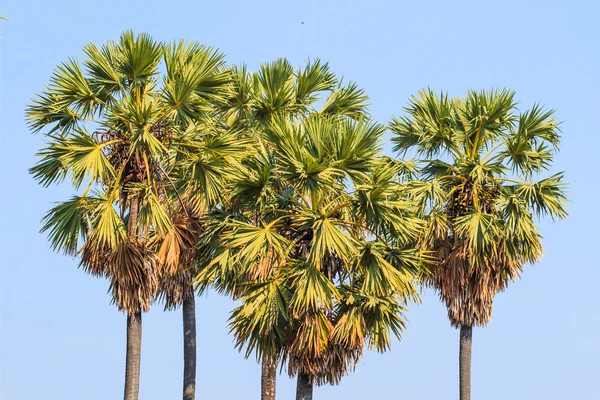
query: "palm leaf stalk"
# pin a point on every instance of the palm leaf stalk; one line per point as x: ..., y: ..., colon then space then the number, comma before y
x: 476, y: 187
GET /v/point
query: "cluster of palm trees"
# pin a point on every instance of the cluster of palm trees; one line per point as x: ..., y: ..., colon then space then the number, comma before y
x: 271, y: 187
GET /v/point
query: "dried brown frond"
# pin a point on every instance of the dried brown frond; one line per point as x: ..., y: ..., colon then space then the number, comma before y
x: 333, y: 363
x: 468, y: 286
x: 176, y: 254
x: 134, y: 277
x: 326, y: 360
x: 132, y: 270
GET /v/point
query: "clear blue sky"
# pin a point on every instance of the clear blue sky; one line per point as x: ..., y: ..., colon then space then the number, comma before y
x: 61, y: 338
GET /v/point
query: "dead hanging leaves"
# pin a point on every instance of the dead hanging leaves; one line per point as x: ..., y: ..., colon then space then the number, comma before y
x: 176, y: 252
x: 474, y: 260
x: 132, y: 269
x: 326, y: 360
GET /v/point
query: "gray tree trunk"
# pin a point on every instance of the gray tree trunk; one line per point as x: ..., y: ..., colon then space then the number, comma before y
x: 134, y: 327
x: 132, y: 359
x: 189, y: 346
x: 464, y: 363
x: 304, y: 387
x: 268, y: 378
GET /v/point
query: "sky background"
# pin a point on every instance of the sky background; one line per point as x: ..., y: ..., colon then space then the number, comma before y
x: 61, y: 338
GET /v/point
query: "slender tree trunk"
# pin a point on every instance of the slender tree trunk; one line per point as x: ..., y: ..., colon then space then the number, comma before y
x: 464, y: 364
x: 132, y: 359
x: 269, y: 378
x: 132, y: 218
x: 304, y: 387
x: 134, y: 327
x: 189, y: 346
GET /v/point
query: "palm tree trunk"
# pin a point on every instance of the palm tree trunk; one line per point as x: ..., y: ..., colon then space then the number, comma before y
x: 133, y: 356
x: 134, y: 327
x: 189, y: 346
x: 464, y: 364
x: 304, y: 387
x: 269, y: 378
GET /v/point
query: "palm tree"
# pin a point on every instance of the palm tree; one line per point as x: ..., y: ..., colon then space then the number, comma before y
x: 307, y: 243
x: 477, y: 192
x: 113, y: 124
x: 197, y: 189
x: 278, y: 90
x: 194, y: 188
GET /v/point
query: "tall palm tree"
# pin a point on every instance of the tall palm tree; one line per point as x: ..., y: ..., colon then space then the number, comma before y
x: 197, y: 189
x: 113, y: 124
x: 476, y: 188
x: 278, y: 90
x: 308, y: 243
x: 196, y: 179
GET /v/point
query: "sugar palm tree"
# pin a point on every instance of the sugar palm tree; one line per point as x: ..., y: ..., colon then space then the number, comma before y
x: 197, y: 176
x: 319, y: 245
x: 113, y: 124
x: 197, y: 188
x: 477, y: 190
x: 278, y: 90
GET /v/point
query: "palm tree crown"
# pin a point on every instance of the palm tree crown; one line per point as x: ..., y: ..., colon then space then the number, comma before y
x: 305, y: 243
x: 118, y: 129
x: 476, y: 190
x: 302, y: 241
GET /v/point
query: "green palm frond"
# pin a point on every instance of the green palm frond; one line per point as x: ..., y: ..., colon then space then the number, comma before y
x: 373, y: 318
x: 434, y: 127
x: 138, y: 58
x: 68, y: 224
x: 239, y: 106
x: 384, y: 316
x: 546, y: 196
x: 85, y: 157
x: 356, y: 145
x: 196, y: 80
x: 489, y: 114
x: 152, y: 214
x: 315, y: 77
x: 380, y: 278
x: 274, y: 89
x: 537, y: 125
x: 106, y: 226
x: 260, y: 324
x: 330, y: 238
x: 312, y: 290
x: 258, y: 243
x: 72, y: 90
x: 347, y: 100
x: 480, y: 232
x: 206, y: 174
